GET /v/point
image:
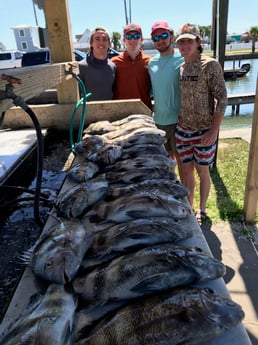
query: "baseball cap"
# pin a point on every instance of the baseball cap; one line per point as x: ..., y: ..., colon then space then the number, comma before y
x: 188, y: 31
x: 132, y: 27
x: 160, y: 24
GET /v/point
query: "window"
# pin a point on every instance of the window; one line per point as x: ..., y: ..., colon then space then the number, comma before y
x: 24, y: 45
x: 5, y: 56
x: 21, y: 33
x: 17, y: 55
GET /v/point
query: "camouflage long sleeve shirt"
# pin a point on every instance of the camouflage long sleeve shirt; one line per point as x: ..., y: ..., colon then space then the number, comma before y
x: 203, y: 93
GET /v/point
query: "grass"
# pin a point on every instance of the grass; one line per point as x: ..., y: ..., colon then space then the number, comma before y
x: 242, y: 121
x: 226, y: 199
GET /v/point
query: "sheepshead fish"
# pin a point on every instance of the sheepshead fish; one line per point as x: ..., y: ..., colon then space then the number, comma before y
x: 140, y: 174
x: 147, y: 271
x: 183, y: 315
x: 142, y: 149
x: 138, y: 233
x: 138, y: 205
x: 106, y: 155
x: 83, y: 172
x: 172, y: 187
x: 58, y: 253
x: 146, y: 161
x: 122, y: 238
x: 145, y: 135
x: 49, y: 320
x: 128, y: 128
x: 90, y: 143
x: 75, y: 201
x: 99, y: 127
x: 133, y: 117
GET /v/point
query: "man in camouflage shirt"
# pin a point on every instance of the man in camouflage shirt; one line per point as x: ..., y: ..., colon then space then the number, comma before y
x: 203, y: 104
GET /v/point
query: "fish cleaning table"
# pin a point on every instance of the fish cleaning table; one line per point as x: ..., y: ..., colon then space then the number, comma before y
x: 30, y: 284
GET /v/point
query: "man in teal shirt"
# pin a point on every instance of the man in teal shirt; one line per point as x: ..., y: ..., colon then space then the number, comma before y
x: 164, y: 73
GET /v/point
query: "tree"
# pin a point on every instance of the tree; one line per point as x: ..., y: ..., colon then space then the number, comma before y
x: 254, y: 36
x: 205, y: 32
x: 116, y: 40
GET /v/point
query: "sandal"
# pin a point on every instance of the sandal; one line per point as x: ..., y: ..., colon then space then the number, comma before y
x: 200, y: 216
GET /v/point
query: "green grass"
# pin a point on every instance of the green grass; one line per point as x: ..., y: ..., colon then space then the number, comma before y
x: 242, y: 121
x: 226, y: 199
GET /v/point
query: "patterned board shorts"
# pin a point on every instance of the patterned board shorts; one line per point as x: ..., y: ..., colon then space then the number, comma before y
x: 189, y: 147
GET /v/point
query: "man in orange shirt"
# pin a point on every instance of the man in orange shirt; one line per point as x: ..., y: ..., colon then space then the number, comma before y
x: 132, y: 77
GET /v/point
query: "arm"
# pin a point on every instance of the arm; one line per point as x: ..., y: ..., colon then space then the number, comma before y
x: 219, y: 91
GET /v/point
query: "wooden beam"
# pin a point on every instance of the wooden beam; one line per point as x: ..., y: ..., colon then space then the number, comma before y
x: 34, y: 80
x: 251, y: 188
x: 61, y: 47
x: 59, y: 115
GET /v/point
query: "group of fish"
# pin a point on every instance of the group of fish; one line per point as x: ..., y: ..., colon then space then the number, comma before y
x: 115, y: 268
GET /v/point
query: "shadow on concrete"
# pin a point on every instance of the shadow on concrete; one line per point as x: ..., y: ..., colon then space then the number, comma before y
x: 249, y: 270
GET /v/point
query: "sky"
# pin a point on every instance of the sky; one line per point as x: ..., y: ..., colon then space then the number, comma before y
x: 87, y: 14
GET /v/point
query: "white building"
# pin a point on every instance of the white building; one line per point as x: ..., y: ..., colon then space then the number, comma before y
x: 30, y: 38
x: 82, y: 41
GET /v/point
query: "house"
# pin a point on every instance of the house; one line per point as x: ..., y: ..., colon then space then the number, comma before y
x: 83, y: 41
x: 30, y: 38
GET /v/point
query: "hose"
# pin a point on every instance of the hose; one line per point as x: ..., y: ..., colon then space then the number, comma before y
x: 82, y: 120
x: 18, y: 101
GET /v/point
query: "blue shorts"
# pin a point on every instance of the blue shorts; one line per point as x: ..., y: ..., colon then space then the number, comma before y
x: 189, y: 147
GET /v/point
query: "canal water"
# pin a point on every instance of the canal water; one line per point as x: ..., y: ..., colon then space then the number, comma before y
x: 246, y: 84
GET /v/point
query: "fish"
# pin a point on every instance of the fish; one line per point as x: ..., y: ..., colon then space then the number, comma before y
x: 82, y: 172
x: 133, y: 117
x: 99, y: 127
x: 48, y: 319
x: 89, y: 144
x: 76, y: 200
x: 149, y: 270
x: 170, y: 186
x: 128, y: 128
x: 59, y: 251
x: 141, y: 150
x: 140, y: 174
x: 106, y: 155
x: 140, y: 204
x: 185, y: 315
x: 144, y: 161
x: 140, y: 232
x: 145, y: 135
x: 119, y: 239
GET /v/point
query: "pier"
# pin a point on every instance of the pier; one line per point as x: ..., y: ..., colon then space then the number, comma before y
x: 236, y: 100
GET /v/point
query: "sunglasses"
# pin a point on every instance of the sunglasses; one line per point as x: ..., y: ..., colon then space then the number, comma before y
x: 162, y: 36
x: 132, y: 36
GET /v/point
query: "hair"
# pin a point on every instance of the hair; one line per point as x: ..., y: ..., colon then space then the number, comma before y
x: 98, y: 28
x: 200, y: 47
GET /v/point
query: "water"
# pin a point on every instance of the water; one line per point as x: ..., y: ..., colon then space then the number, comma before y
x: 247, y: 84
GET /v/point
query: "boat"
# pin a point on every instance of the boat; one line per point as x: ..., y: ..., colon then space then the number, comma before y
x: 236, y: 72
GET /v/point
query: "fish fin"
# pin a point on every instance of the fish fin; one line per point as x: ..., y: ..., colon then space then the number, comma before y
x: 24, y: 258
x: 151, y: 284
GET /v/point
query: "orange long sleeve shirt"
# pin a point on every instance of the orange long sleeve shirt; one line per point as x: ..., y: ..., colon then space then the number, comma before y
x: 132, y: 78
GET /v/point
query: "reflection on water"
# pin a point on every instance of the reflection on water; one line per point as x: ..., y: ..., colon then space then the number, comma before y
x: 246, y: 84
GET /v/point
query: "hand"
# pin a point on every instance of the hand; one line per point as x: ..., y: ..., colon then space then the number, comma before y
x: 209, y: 138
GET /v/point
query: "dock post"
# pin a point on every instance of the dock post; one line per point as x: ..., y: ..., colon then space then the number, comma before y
x: 237, y: 109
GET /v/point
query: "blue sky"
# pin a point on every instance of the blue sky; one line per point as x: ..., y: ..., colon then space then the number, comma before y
x: 90, y: 13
